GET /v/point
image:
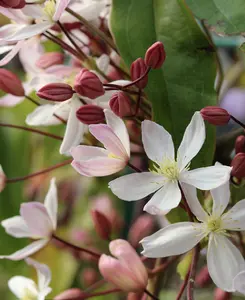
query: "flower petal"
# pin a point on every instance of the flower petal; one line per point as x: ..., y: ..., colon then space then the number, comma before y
x: 192, y: 141
x: 158, y: 143
x: 173, y: 240
x: 16, y: 226
x: 136, y: 186
x: 221, y: 197
x: 239, y: 282
x: 19, y: 284
x: 234, y: 219
x: 51, y: 203
x: 61, y: 5
x: 224, y: 261
x: 26, y: 251
x: 165, y: 199
x: 10, y: 100
x: 206, y: 178
x: 8, y: 57
x: 81, y: 153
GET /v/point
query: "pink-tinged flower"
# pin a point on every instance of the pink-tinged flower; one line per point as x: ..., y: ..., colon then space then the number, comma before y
x: 25, y: 288
x: 94, y: 161
x: 50, y: 59
x: 224, y: 260
x: 167, y: 172
x: 2, y: 179
x: 36, y: 221
x: 131, y: 274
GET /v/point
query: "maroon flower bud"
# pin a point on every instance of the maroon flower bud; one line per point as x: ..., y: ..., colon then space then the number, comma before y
x: 10, y: 83
x: 72, y: 294
x: 102, y: 224
x: 203, y: 278
x: 155, y: 55
x: 221, y: 295
x: 138, y: 68
x: 238, y: 165
x: 240, y: 144
x: 89, y: 276
x: 120, y: 104
x: 215, y: 115
x: 50, y: 59
x: 90, y: 114
x: 13, y: 3
x: 56, y: 92
x: 88, y: 84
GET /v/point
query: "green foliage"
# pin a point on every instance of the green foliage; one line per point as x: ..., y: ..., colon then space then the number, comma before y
x: 184, y: 265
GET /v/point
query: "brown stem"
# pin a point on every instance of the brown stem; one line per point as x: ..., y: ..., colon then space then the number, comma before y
x: 32, y: 100
x: 163, y: 267
x: 134, y: 168
x: 150, y: 295
x: 191, y: 280
x: 187, y: 208
x: 137, y: 80
x: 183, y: 286
x: 138, y: 104
x: 237, y: 121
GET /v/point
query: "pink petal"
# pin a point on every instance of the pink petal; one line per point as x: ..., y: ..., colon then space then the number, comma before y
x: 51, y: 202
x: 10, y: 100
x: 7, y: 58
x: 60, y: 8
x: 81, y: 153
x: 16, y: 226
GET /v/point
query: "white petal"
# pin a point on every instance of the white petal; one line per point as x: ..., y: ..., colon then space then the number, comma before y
x: 239, y: 282
x: 51, y: 202
x: 8, y: 57
x: 206, y: 178
x: 16, y: 226
x: 224, y: 261
x: 193, y: 140
x: 103, y: 62
x: 234, y: 219
x: 61, y: 5
x: 173, y: 240
x: 165, y: 199
x: 157, y: 142
x: 27, y: 251
x: 19, y: 284
x: 221, y: 197
x: 10, y: 100
x: 136, y: 186
x: 190, y: 193
x: 119, y: 128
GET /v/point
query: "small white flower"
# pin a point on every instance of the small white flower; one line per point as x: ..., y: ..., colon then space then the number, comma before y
x: 224, y: 260
x: 167, y: 172
x: 36, y: 221
x: 26, y: 289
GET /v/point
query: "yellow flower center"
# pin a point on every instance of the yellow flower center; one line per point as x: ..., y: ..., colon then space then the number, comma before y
x: 49, y: 8
x: 168, y: 168
x: 28, y: 295
x: 214, y: 224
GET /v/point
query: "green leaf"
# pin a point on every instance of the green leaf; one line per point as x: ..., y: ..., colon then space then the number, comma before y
x: 225, y: 15
x: 184, y: 264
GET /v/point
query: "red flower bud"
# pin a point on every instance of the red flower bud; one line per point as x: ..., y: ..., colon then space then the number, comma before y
x: 72, y: 294
x: 89, y: 276
x: 102, y: 224
x: 10, y: 83
x: 203, y: 278
x: 50, y: 59
x: 88, y: 84
x: 56, y: 92
x: 240, y: 144
x: 155, y: 55
x: 138, y: 68
x: 215, y: 115
x: 120, y: 104
x: 12, y: 3
x: 238, y: 165
x: 221, y: 295
x: 90, y: 114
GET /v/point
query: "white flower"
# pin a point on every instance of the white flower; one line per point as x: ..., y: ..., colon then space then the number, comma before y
x: 224, y: 260
x: 25, y: 288
x: 167, y: 173
x: 239, y: 282
x: 36, y: 221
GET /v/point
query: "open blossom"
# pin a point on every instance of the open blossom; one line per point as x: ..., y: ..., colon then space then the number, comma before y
x: 167, y: 172
x: 26, y: 288
x: 224, y: 260
x: 36, y: 221
x: 95, y: 161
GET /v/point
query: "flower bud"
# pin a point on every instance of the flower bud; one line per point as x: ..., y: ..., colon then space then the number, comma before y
x: 2, y: 179
x: 120, y: 104
x: 10, y: 83
x: 50, y: 59
x: 138, y: 68
x: 89, y: 276
x: 56, y: 92
x: 71, y: 294
x: 135, y: 296
x: 238, y: 165
x: 240, y: 144
x: 155, y: 55
x: 90, y: 114
x: 131, y: 273
x: 203, y: 278
x: 102, y: 224
x: 88, y: 84
x: 215, y: 115
x: 13, y: 3
x: 221, y: 295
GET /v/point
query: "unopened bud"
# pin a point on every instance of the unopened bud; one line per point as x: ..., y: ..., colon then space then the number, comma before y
x: 238, y: 166
x: 56, y: 92
x: 120, y: 104
x: 102, y: 224
x: 215, y: 115
x: 10, y: 83
x: 155, y: 55
x: 71, y: 294
x: 89, y: 276
x: 138, y: 68
x: 90, y: 114
x: 203, y: 278
x: 50, y: 59
x: 221, y: 295
x: 3, y: 179
x: 240, y: 144
x: 88, y: 84
x: 134, y: 296
x: 17, y: 4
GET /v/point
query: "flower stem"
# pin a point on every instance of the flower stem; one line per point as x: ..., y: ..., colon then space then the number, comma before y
x: 237, y: 121
x: 191, y: 279
x: 111, y: 291
x: 187, y: 208
x: 150, y: 294
x: 163, y: 266
x: 134, y: 168
x: 183, y: 286
x: 32, y: 100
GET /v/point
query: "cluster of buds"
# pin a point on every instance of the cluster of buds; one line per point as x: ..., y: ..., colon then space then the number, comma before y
x: 16, y: 4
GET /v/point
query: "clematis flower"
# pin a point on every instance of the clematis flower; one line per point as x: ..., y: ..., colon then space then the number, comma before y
x: 36, y: 221
x: 224, y: 260
x: 25, y: 288
x: 167, y: 172
x: 94, y: 161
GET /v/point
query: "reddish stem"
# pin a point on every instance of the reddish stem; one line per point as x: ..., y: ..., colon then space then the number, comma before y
x: 191, y: 279
x: 183, y: 286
